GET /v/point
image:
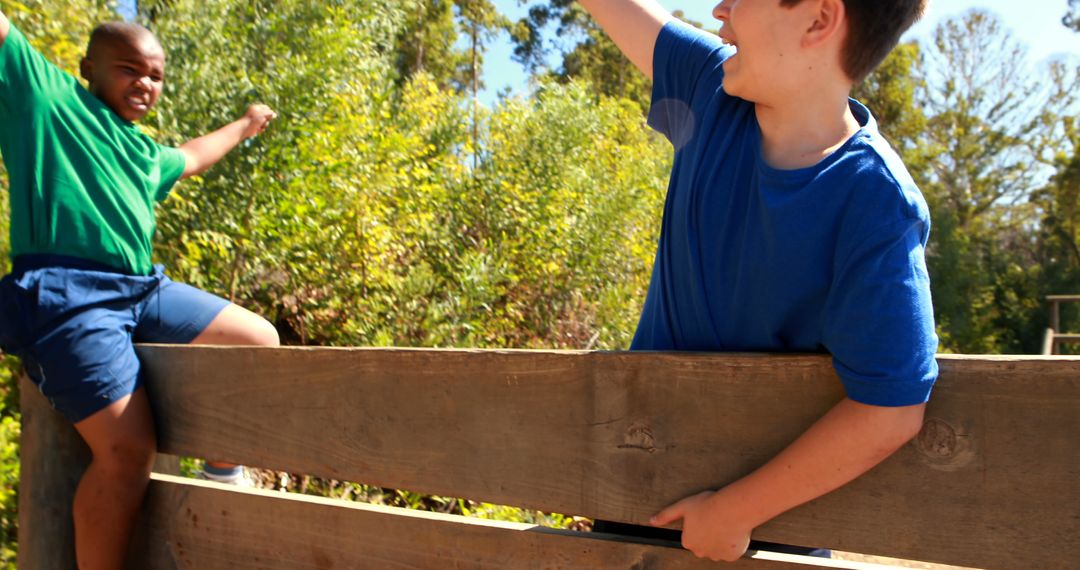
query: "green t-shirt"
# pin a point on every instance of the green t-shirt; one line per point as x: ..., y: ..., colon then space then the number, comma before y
x: 83, y: 180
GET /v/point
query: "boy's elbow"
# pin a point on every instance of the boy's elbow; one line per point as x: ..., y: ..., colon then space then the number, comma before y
x: 192, y: 164
x: 907, y: 423
x: 889, y: 428
x: 915, y: 421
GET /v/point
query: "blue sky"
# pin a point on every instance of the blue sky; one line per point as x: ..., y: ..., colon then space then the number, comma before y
x: 1035, y: 22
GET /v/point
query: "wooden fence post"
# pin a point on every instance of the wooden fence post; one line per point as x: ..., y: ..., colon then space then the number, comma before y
x: 53, y: 458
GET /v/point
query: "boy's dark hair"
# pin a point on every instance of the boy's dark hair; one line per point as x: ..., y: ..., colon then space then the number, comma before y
x: 117, y: 32
x: 874, y: 29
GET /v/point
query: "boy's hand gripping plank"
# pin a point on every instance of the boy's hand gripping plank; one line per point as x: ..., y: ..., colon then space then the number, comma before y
x: 845, y: 443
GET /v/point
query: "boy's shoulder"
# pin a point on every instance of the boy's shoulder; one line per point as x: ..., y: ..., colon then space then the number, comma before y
x: 880, y: 183
x: 27, y: 73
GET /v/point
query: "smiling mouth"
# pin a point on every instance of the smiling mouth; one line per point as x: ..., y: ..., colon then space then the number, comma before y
x: 137, y: 104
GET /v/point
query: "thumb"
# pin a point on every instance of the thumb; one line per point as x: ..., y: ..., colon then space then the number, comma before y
x: 669, y: 515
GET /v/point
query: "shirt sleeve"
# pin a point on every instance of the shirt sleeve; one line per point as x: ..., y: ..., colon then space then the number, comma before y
x: 687, y: 62
x: 25, y: 74
x: 879, y: 323
x: 172, y: 162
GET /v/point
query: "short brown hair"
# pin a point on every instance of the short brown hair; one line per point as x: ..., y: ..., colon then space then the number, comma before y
x: 874, y: 29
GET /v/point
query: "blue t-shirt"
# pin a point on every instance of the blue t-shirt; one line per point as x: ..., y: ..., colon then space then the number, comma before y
x: 828, y: 258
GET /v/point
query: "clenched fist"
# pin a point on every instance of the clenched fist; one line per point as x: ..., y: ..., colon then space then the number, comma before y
x: 258, y: 116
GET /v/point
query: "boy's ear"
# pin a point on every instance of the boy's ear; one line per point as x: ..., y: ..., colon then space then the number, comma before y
x: 828, y: 23
x: 86, y: 68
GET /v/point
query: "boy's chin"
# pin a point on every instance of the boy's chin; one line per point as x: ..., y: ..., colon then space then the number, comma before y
x: 733, y: 89
x: 131, y: 115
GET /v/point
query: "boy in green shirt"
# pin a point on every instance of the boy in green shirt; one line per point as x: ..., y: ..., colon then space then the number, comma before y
x: 83, y: 183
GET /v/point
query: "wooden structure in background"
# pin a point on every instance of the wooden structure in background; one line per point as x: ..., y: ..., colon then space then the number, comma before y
x: 990, y: 482
x: 1054, y: 338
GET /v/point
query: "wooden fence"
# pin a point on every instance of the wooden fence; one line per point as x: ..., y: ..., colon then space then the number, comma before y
x: 1054, y: 337
x: 990, y: 482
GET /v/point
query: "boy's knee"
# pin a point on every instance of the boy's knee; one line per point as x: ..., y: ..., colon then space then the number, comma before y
x: 127, y: 458
x: 264, y: 334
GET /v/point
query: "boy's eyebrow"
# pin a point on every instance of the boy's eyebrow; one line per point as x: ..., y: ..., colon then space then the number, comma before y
x: 141, y: 61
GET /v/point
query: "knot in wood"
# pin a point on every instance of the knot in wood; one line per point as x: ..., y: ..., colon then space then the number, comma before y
x: 937, y: 439
x: 639, y: 436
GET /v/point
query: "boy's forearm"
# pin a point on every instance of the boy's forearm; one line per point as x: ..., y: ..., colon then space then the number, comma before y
x: 848, y: 441
x: 207, y: 150
x: 633, y: 25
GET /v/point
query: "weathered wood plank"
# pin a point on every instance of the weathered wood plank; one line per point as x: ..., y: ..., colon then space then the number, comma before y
x: 991, y: 481
x: 203, y: 525
x: 52, y: 460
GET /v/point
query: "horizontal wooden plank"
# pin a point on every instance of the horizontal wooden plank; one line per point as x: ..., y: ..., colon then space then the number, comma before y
x: 990, y: 482
x: 198, y: 524
x: 1063, y: 298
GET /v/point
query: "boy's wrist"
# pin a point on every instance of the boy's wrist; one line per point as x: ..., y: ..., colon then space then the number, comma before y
x: 743, y: 503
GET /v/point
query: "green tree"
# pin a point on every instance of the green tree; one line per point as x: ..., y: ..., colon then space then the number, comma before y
x: 593, y: 58
x: 891, y: 93
x: 427, y: 43
x: 990, y: 118
x: 1058, y: 202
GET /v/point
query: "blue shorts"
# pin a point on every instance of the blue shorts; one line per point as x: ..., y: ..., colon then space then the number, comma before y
x: 73, y: 323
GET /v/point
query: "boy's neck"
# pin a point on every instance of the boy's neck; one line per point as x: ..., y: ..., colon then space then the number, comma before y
x: 803, y: 132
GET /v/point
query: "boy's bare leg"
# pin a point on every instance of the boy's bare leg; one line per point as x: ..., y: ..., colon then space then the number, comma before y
x: 237, y: 326
x: 121, y: 438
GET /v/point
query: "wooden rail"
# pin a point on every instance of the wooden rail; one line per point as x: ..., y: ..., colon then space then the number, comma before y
x: 1053, y: 339
x: 991, y: 482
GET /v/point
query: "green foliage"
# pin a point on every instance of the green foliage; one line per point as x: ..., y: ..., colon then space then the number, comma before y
x: 358, y: 218
x: 891, y: 93
x: 981, y: 155
x: 426, y: 43
x: 427, y: 40
x: 480, y: 23
x: 594, y: 58
x: 9, y: 486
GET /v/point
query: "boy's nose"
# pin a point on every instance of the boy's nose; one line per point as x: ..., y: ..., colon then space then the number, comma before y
x: 721, y: 11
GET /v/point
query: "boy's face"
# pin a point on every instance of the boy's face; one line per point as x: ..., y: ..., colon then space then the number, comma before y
x: 767, y: 39
x: 126, y: 75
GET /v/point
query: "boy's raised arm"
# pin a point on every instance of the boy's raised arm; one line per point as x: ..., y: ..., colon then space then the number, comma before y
x: 202, y: 153
x: 4, y: 27
x: 633, y: 25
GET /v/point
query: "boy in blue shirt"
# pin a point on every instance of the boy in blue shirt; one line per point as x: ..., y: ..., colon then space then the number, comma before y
x: 83, y: 183
x: 789, y: 225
